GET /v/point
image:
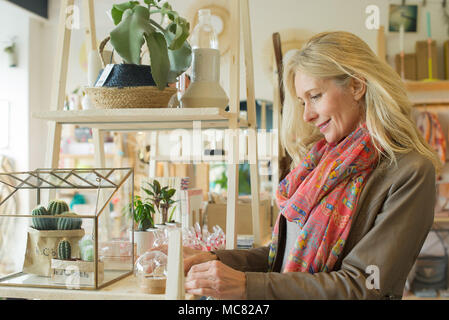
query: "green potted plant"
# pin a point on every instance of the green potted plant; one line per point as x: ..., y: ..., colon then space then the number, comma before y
x: 11, y: 53
x: 162, y: 198
x: 169, y: 52
x: 144, y: 224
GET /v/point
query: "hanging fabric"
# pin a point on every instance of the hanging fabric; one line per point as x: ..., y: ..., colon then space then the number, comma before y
x: 8, y: 226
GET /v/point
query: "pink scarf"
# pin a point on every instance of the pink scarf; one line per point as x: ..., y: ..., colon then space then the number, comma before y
x: 321, y: 195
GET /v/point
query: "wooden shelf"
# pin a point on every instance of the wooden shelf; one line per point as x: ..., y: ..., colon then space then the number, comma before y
x: 143, y: 119
x: 428, y: 92
x: 441, y: 218
x: 125, y: 289
x: 439, y: 85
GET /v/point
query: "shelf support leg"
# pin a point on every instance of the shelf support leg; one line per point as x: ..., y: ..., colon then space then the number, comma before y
x: 234, y: 106
x: 175, y: 267
x: 98, y: 137
x: 153, y: 153
x: 252, y: 121
x: 58, y: 88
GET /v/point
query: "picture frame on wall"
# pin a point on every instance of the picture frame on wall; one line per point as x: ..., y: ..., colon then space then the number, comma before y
x: 406, y: 15
x: 4, y: 124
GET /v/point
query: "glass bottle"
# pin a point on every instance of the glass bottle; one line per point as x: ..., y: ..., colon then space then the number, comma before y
x: 205, y: 90
x: 203, y: 35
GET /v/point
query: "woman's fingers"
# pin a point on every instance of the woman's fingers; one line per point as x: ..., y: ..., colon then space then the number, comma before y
x: 195, y: 260
x: 215, y: 279
x: 201, y: 267
x: 196, y: 284
x: 199, y: 283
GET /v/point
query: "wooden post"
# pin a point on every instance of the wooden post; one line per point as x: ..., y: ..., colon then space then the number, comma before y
x: 90, y: 30
x: 381, y: 50
x: 59, y: 85
x: 275, y: 136
x: 153, y: 154
x: 175, y: 267
x: 91, y: 41
x: 99, y: 156
x: 252, y: 121
x: 263, y: 116
x: 234, y: 106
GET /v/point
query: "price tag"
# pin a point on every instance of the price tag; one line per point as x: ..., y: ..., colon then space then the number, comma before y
x: 104, y: 75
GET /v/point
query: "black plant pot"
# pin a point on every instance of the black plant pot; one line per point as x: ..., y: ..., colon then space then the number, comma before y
x: 129, y: 75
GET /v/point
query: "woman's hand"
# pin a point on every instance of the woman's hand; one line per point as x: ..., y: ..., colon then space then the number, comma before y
x: 215, y: 279
x: 198, y: 258
x: 191, y: 256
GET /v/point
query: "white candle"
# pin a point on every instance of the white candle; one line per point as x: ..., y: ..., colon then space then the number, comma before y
x: 401, y: 38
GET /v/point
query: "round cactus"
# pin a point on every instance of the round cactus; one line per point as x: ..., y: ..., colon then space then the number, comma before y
x: 64, y: 250
x: 42, y: 223
x: 68, y: 223
x: 56, y: 207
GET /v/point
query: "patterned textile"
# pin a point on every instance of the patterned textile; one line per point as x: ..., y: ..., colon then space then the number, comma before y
x: 430, y: 128
x: 321, y: 196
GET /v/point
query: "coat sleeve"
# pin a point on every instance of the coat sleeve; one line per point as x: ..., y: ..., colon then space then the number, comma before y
x: 380, y: 261
x: 252, y: 260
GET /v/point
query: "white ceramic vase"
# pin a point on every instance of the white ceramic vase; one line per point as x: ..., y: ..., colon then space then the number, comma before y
x: 205, y: 90
x: 144, y: 240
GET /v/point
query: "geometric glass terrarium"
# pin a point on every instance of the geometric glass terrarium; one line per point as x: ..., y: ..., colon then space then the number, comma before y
x: 75, y: 234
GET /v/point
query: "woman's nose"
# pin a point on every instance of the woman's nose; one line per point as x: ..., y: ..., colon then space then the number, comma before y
x: 309, y: 114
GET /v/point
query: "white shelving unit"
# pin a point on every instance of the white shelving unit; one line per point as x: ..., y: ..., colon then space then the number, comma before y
x: 163, y: 119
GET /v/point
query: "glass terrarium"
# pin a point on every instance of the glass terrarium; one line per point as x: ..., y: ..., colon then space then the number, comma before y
x: 66, y: 228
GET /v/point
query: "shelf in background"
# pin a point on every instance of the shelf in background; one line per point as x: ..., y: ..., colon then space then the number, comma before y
x: 89, y: 156
x: 428, y: 92
x: 142, y: 119
x: 439, y: 85
x: 441, y: 218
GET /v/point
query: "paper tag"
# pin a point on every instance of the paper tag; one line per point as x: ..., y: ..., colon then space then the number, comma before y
x: 104, y: 75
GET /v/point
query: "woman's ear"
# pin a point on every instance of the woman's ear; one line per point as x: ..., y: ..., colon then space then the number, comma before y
x: 358, y: 88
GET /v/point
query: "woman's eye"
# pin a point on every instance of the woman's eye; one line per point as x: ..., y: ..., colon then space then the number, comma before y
x: 315, y: 97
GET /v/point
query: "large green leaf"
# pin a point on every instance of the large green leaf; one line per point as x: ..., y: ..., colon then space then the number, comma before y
x: 181, y: 58
x: 118, y: 10
x: 160, y: 64
x: 128, y: 37
x: 170, y: 53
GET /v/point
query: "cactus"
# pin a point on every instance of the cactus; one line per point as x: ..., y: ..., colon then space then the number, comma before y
x: 42, y: 223
x: 56, y: 207
x: 67, y: 223
x: 64, y: 250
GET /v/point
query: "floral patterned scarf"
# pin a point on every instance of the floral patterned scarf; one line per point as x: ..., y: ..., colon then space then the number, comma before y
x: 321, y: 196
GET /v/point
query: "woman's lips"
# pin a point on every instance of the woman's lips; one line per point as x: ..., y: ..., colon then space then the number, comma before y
x: 323, y: 126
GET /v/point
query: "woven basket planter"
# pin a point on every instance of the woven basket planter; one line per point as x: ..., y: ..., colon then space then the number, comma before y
x: 128, y: 86
x: 129, y: 97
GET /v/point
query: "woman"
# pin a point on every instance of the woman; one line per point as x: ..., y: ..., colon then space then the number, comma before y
x: 358, y: 203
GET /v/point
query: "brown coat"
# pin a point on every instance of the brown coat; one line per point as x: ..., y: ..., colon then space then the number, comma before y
x: 393, y: 217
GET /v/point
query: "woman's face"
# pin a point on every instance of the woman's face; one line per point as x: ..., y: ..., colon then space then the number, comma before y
x: 332, y: 108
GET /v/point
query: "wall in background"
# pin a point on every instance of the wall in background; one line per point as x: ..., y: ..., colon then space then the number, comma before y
x: 22, y: 87
x: 14, y: 83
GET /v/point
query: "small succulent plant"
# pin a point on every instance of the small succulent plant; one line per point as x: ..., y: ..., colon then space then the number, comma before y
x: 64, y: 250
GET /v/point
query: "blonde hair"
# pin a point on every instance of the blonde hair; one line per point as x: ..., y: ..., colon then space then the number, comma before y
x: 388, y: 111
